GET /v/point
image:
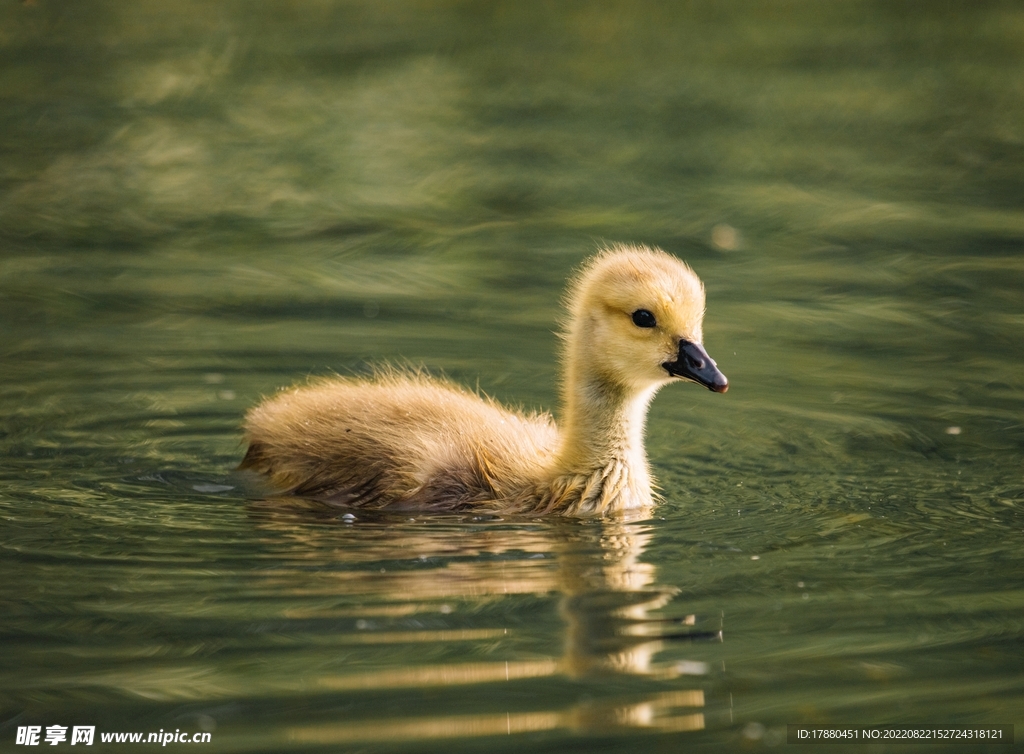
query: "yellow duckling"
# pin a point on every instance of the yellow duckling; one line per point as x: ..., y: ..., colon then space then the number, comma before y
x: 406, y: 441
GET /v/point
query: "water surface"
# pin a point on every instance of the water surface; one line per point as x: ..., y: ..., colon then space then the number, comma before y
x: 201, y: 203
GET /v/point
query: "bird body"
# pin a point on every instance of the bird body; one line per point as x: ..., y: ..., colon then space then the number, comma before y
x: 407, y: 441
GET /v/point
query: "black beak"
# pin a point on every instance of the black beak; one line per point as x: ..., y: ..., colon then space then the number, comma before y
x: 694, y: 364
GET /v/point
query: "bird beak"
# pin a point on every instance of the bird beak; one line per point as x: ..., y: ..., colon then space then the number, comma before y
x: 694, y: 364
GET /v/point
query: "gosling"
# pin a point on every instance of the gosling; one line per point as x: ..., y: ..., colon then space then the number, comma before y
x: 405, y: 441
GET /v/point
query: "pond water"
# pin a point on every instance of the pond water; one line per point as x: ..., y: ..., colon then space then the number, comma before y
x: 201, y: 203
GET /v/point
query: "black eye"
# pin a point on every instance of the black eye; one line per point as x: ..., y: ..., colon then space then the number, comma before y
x: 643, y: 318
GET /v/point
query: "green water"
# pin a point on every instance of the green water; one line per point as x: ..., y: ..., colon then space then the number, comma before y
x: 203, y: 202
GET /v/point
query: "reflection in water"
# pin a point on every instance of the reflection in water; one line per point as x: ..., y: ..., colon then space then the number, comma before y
x: 661, y: 712
x: 606, y: 599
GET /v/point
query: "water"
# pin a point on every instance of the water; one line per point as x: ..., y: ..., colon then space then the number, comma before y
x: 200, y: 203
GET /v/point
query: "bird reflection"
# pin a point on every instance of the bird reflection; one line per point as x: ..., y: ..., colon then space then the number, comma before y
x: 606, y: 593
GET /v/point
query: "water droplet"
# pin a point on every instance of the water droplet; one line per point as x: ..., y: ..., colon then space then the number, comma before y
x: 725, y: 237
x: 753, y: 731
x: 212, y: 487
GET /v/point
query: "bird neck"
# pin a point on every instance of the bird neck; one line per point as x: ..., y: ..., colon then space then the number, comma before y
x: 603, y: 426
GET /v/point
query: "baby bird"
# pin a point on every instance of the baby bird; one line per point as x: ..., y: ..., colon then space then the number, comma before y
x: 405, y: 441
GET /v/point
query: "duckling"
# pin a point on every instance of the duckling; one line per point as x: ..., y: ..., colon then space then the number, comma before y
x: 410, y: 442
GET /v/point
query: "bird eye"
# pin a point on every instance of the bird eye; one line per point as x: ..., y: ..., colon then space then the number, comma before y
x: 643, y: 318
